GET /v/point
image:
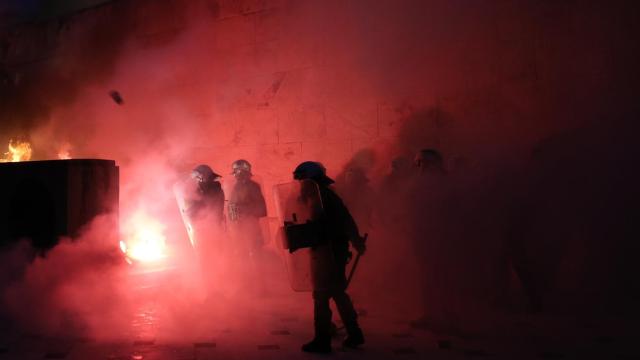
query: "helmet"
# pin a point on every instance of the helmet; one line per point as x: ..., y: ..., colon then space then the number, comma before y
x: 240, y: 165
x: 312, y: 170
x: 203, y: 173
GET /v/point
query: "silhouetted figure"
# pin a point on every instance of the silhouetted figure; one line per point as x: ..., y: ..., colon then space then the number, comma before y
x: 523, y: 216
x: 330, y: 257
x: 209, y: 199
x: 516, y: 257
x: 357, y: 195
x: 203, y: 209
x: 392, y: 219
x: 429, y: 231
x: 246, y: 207
x: 391, y: 212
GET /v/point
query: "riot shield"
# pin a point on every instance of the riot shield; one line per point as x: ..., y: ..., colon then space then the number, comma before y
x: 183, y: 191
x: 200, y: 214
x: 206, y: 233
x: 299, y: 207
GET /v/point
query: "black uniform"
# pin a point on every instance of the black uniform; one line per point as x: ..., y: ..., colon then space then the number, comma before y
x: 329, y: 260
x: 209, y: 202
x: 246, y: 207
x: 247, y: 197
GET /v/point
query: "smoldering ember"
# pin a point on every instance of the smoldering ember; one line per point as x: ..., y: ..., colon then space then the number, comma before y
x: 237, y: 179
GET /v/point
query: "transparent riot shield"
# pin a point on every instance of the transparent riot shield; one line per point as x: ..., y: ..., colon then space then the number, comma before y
x: 206, y: 233
x: 299, y: 207
x: 183, y: 191
x: 201, y: 213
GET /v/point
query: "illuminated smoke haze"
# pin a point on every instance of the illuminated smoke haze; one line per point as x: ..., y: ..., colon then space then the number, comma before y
x: 521, y: 98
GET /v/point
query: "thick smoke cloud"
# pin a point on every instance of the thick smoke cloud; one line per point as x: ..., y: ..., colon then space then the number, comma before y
x: 58, y: 294
x: 531, y: 104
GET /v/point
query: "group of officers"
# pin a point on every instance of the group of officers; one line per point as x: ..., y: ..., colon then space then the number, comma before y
x: 246, y: 204
x: 335, y: 228
x: 423, y: 201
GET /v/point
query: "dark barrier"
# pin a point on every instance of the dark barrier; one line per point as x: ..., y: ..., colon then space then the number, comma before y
x: 45, y: 200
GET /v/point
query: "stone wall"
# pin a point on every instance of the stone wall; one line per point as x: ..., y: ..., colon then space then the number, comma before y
x: 279, y: 82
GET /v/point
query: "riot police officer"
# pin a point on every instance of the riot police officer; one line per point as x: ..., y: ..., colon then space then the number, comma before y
x: 209, y: 199
x: 246, y: 202
x: 430, y: 207
x: 337, y: 229
x: 357, y: 193
x: 246, y: 207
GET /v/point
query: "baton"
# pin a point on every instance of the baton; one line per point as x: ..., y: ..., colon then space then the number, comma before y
x: 355, y: 262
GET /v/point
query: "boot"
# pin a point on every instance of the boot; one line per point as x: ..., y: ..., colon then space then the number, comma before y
x: 318, y: 345
x: 354, y: 338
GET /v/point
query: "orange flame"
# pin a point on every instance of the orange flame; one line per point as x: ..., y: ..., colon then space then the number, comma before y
x: 144, y: 238
x: 18, y: 151
x: 64, y: 153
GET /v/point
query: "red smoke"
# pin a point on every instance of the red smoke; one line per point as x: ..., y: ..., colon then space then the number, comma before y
x: 281, y: 82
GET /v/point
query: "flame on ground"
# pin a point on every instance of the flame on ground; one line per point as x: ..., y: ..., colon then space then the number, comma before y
x: 18, y: 151
x: 64, y: 153
x: 144, y: 238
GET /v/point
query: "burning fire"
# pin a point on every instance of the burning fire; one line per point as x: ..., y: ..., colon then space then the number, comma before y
x: 145, y: 239
x: 18, y: 151
x: 65, y: 152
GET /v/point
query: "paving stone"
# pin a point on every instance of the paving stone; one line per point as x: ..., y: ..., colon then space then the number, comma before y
x: 523, y: 324
x: 604, y: 339
x: 56, y: 355
x: 31, y: 336
x: 84, y: 340
x: 475, y: 353
x: 280, y: 332
x: 201, y: 345
x: 269, y: 347
x: 144, y: 342
x: 402, y: 335
x: 174, y: 353
x: 276, y: 332
x: 404, y: 351
x: 550, y: 355
x: 289, y: 319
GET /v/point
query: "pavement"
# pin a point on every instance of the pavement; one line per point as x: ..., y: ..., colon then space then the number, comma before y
x: 274, y: 325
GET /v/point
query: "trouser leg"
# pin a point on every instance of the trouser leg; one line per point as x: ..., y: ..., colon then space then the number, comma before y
x: 322, y: 315
x: 347, y: 312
